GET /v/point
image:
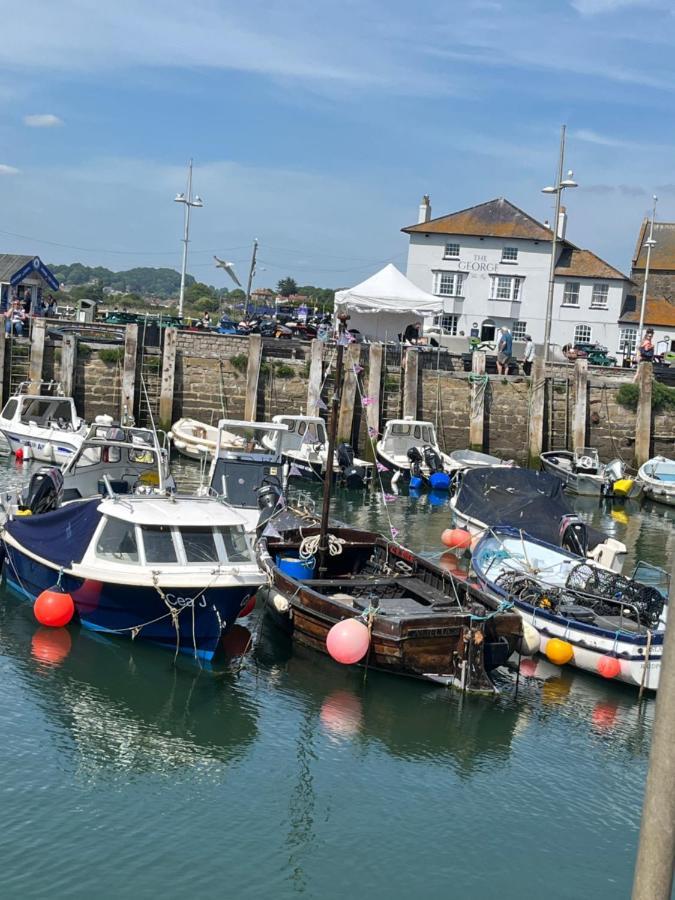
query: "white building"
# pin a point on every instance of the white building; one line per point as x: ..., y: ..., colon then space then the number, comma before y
x: 490, y: 264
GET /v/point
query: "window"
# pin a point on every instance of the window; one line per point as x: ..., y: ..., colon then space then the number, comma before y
x: 627, y: 341
x: 506, y: 287
x: 158, y: 543
x: 582, y: 334
x: 236, y: 545
x: 451, y: 251
x: 199, y: 544
x: 599, y: 298
x: 571, y: 294
x: 448, y: 284
x: 9, y: 410
x: 117, y: 542
x: 448, y: 323
x: 509, y: 254
x: 519, y: 331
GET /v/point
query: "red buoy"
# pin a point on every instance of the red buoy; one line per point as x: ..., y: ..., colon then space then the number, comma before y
x: 19, y: 454
x: 609, y: 666
x: 248, y: 608
x: 54, y: 608
x: 456, y: 538
x: 347, y: 641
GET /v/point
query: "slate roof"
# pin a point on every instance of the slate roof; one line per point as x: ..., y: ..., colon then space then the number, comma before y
x: 578, y: 263
x: 11, y: 263
x: 496, y: 218
x: 658, y: 311
x: 663, y: 251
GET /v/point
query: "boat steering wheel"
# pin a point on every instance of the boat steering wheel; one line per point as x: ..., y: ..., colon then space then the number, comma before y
x: 585, y: 462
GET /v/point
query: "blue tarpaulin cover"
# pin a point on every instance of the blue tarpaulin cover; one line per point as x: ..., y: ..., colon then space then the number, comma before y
x: 62, y: 536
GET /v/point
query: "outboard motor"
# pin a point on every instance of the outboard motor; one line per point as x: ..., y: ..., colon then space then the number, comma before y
x: 439, y: 480
x: 270, y: 497
x: 44, y: 492
x: 352, y: 476
x: 415, y: 458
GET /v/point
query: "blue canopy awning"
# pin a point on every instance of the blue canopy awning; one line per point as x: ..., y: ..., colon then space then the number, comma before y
x: 32, y: 267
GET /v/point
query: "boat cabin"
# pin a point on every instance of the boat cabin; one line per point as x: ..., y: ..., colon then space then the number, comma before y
x: 41, y: 411
x: 402, y: 434
x: 299, y: 431
x: 119, y: 459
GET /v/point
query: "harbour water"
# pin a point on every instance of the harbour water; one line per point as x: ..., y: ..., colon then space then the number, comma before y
x: 123, y: 775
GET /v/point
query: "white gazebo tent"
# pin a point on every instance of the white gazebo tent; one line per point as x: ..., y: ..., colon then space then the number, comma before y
x: 382, y: 306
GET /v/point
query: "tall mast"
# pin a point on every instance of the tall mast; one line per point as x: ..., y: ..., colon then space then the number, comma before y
x: 328, y: 477
x: 251, y: 273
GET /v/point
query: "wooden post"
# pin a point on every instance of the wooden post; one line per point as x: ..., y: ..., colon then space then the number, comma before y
x: 68, y: 363
x: 253, y: 376
x: 375, y: 355
x: 129, y: 372
x: 3, y: 338
x: 411, y: 368
x: 580, y: 404
x: 643, y: 419
x: 37, y: 352
x: 315, y: 378
x: 352, y: 356
x: 535, y: 428
x: 477, y: 411
x: 168, y: 377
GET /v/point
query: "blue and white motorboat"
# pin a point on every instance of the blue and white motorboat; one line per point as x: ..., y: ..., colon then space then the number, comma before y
x: 608, y: 624
x: 43, y: 425
x: 173, y: 570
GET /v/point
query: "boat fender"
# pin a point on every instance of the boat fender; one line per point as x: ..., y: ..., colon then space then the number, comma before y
x: 623, y: 487
x: 395, y: 477
x: 280, y: 603
x: 415, y: 482
x: 529, y: 642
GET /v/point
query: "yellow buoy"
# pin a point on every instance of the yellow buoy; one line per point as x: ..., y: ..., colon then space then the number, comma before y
x: 623, y: 487
x: 559, y: 652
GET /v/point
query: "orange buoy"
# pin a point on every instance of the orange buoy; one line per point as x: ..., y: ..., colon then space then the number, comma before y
x: 456, y: 538
x: 609, y: 666
x: 50, y: 645
x: 559, y: 652
x: 347, y: 641
x: 247, y: 608
x: 54, y: 608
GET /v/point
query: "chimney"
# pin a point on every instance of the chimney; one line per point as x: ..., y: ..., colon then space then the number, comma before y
x: 424, y: 213
x: 562, y: 223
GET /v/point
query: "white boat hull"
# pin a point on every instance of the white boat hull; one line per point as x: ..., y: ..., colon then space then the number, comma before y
x: 52, y: 446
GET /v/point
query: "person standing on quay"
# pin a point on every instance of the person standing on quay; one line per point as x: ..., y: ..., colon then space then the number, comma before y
x: 504, y: 350
x: 528, y: 355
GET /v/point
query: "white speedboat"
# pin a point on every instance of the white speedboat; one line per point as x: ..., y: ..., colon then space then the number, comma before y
x: 409, y: 449
x: 177, y: 571
x: 657, y: 477
x: 600, y: 621
x: 582, y: 473
x: 304, y: 446
x: 43, y: 426
x: 197, y: 440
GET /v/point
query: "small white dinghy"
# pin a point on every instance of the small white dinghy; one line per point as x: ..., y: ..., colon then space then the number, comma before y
x: 586, y: 616
x: 196, y: 439
x: 658, y: 479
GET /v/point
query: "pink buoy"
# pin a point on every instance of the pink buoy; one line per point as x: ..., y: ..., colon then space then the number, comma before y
x: 609, y: 666
x: 347, y: 641
x: 456, y: 538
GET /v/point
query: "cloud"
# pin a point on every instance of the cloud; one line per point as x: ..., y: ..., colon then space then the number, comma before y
x: 8, y: 170
x: 592, y: 137
x: 43, y: 120
x: 597, y: 7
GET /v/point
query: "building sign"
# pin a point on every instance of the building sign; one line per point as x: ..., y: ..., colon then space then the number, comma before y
x: 478, y: 264
x: 34, y: 267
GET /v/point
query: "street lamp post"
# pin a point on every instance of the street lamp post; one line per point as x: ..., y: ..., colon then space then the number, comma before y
x: 557, y: 189
x: 188, y: 201
x: 649, y: 243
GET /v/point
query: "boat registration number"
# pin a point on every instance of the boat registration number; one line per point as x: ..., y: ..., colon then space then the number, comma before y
x: 184, y: 601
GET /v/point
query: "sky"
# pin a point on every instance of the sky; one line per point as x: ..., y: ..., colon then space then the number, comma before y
x: 316, y: 127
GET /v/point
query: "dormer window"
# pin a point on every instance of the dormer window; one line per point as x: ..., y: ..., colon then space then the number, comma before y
x: 451, y: 251
x: 509, y: 254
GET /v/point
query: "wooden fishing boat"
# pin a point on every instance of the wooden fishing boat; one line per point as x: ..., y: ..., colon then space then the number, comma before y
x: 603, y: 622
x: 582, y: 473
x: 423, y: 622
x: 657, y: 477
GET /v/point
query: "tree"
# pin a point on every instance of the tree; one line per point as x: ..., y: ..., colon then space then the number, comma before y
x: 287, y: 286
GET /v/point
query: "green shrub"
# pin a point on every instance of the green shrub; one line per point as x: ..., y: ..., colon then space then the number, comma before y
x: 84, y: 351
x: 282, y: 370
x: 239, y: 362
x: 111, y: 354
x: 663, y: 397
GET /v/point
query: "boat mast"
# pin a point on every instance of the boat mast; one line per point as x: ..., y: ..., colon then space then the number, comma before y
x: 328, y: 477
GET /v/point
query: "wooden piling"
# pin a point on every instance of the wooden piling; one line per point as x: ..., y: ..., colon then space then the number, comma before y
x: 253, y: 376
x: 375, y: 357
x: 580, y: 404
x: 3, y: 338
x: 477, y: 411
x: 37, y: 353
x: 68, y: 363
x: 643, y: 419
x: 315, y: 378
x: 411, y: 375
x: 535, y: 426
x: 128, y: 397
x: 168, y: 378
x: 346, y: 421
